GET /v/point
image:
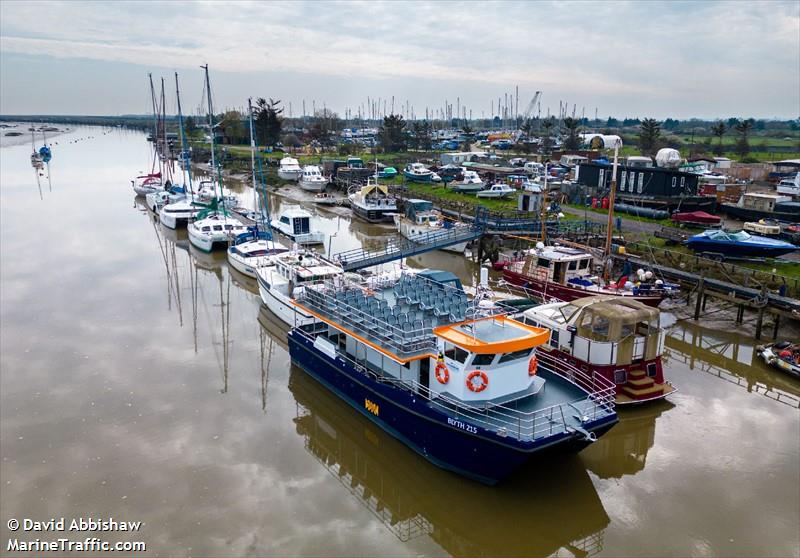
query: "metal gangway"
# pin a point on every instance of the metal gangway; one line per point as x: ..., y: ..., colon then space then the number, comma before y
x: 401, y: 247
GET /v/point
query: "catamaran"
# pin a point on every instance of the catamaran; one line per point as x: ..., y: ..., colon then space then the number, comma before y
x: 461, y: 384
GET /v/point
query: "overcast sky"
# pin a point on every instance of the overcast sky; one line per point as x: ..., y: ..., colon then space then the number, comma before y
x: 700, y: 59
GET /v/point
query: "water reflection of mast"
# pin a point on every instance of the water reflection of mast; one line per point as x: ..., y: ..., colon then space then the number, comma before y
x: 265, y: 362
x: 170, y: 265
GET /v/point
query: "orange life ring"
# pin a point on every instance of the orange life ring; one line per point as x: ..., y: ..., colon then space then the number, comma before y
x: 533, y: 365
x: 442, y: 373
x: 484, y: 383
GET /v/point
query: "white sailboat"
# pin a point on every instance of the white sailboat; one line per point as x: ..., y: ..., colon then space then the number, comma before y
x: 255, y: 249
x: 214, y: 226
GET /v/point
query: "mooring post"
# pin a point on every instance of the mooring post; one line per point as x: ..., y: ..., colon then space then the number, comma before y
x: 701, y: 286
x: 740, y: 314
x: 761, y: 310
x: 775, y: 327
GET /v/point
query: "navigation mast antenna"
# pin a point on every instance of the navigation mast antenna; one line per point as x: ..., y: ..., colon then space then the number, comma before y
x: 609, y: 224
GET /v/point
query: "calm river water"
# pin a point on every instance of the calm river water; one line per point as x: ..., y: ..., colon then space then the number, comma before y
x: 142, y: 380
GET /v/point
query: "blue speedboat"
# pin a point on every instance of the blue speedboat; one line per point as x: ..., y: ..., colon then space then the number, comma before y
x: 739, y: 244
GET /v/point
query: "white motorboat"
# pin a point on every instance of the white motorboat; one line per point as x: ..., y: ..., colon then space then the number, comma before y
x: 324, y: 198
x: 373, y: 203
x: 278, y: 284
x: 469, y: 183
x: 421, y: 220
x: 417, y: 172
x: 312, y: 180
x: 289, y: 169
x: 207, y: 191
x: 214, y: 230
x: 178, y: 214
x: 295, y: 223
x: 789, y: 186
x: 496, y: 191
x: 147, y: 184
x: 156, y: 200
x: 249, y: 256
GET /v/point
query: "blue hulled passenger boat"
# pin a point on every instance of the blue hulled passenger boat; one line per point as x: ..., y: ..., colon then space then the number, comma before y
x: 459, y: 382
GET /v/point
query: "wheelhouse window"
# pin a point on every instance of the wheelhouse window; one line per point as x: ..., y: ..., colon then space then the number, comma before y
x: 651, y: 369
x: 516, y: 355
x: 482, y: 360
x: 217, y: 227
x: 455, y: 353
x: 285, y: 219
x: 543, y: 262
x: 554, y: 338
x: 620, y: 376
x: 583, y: 264
x: 573, y: 265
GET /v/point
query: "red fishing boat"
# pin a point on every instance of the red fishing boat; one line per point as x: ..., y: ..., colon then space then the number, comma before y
x: 562, y: 273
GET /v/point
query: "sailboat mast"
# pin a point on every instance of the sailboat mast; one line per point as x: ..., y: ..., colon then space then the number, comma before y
x: 155, y: 124
x: 609, y: 225
x: 211, y: 127
x: 184, y: 155
x: 165, y: 145
x: 252, y: 152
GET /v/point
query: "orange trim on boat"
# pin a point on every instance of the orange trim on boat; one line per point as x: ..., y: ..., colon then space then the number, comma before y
x: 529, y: 338
x: 351, y: 333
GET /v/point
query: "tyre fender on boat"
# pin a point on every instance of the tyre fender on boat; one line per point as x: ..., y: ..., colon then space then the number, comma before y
x: 482, y: 384
x: 533, y: 366
x: 441, y: 372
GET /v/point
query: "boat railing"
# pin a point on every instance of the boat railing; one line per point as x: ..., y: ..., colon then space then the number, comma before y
x: 505, y: 420
x: 405, y: 340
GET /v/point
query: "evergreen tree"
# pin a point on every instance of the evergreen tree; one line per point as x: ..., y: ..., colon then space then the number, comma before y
x: 573, y: 140
x: 743, y: 128
x: 649, y: 134
x: 391, y: 136
x: 268, y: 121
x: 718, y: 129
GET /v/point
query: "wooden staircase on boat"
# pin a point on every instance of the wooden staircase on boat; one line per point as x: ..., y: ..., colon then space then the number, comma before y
x: 640, y: 387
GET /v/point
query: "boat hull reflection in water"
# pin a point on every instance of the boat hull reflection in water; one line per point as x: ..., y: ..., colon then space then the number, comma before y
x: 413, y: 498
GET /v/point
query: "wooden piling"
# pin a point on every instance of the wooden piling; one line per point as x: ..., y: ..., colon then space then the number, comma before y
x: 701, y: 287
x: 775, y: 327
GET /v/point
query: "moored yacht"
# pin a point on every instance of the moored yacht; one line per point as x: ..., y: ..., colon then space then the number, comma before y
x: 289, y: 169
x: 179, y: 213
x: 295, y: 224
x: 561, y: 273
x: 147, y: 183
x: 373, y: 203
x: 462, y: 385
x: 417, y: 172
x: 618, y: 338
x: 421, y: 220
x: 156, y: 200
x: 250, y: 254
x: 312, y: 180
x: 469, y: 183
x: 217, y: 229
x: 279, y: 283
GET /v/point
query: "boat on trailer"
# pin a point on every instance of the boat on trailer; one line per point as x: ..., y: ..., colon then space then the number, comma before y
x: 460, y: 383
x: 740, y: 244
x: 618, y: 338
